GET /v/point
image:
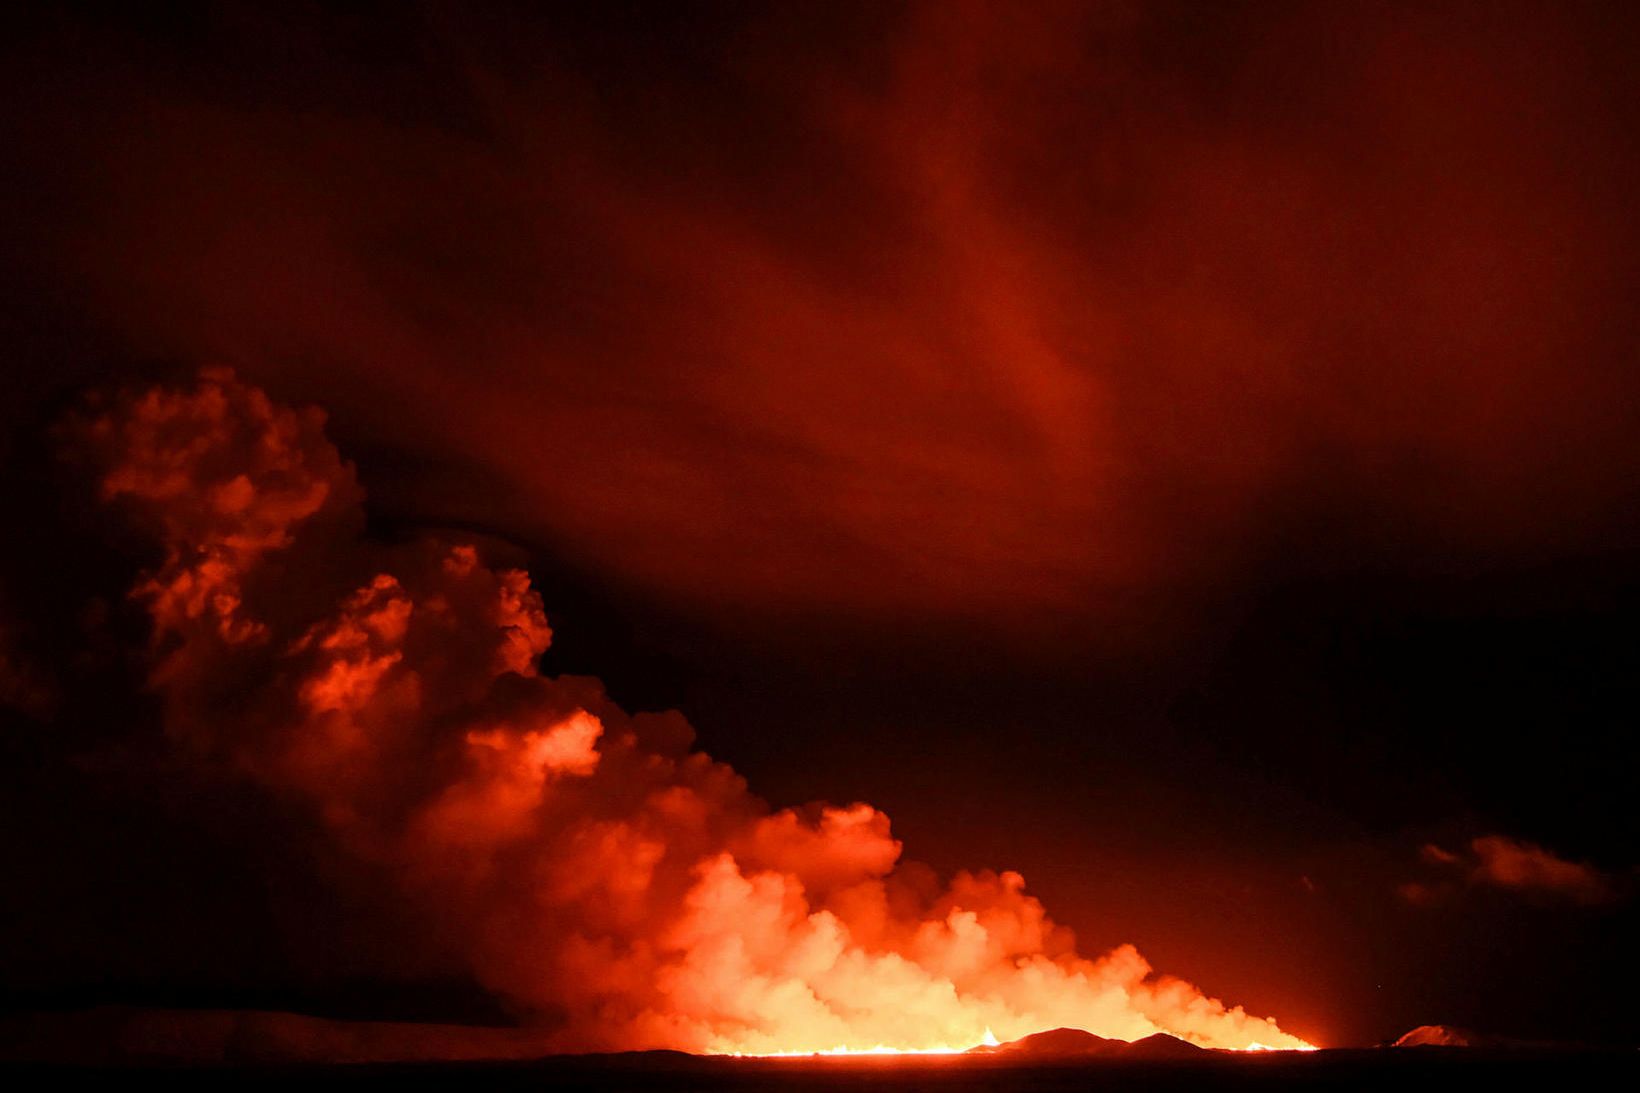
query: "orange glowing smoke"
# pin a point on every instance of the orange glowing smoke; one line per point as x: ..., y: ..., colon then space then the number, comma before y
x: 591, y: 867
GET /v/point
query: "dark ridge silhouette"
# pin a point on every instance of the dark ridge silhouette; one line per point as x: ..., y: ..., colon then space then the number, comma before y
x: 120, y: 1035
x: 1068, y: 1043
x: 1056, y: 1043
x: 1162, y: 1046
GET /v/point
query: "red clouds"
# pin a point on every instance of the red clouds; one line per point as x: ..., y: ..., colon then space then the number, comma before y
x: 998, y: 312
x: 1496, y: 861
x: 1506, y: 863
x: 226, y: 476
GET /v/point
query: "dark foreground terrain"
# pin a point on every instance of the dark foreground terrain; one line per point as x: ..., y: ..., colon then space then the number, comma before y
x: 1403, y: 1069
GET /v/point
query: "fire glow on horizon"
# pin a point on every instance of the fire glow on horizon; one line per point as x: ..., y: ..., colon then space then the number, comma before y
x: 989, y: 1040
x: 586, y: 863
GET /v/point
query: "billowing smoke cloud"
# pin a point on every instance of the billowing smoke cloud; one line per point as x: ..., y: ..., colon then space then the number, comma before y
x: 584, y: 863
x: 1497, y: 861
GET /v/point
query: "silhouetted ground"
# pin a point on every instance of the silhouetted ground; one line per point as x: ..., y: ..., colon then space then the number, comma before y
x: 1428, y: 1068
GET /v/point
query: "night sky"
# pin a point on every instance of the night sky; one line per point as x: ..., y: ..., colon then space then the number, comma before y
x: 1184, y: 453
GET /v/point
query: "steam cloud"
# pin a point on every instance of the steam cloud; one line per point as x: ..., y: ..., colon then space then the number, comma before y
x: 586, y: 864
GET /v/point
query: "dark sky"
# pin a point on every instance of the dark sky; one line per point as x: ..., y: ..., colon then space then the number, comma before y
x: 1186, y: 453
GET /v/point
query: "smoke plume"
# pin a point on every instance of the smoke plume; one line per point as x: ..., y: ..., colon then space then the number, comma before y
x: 585, y: 864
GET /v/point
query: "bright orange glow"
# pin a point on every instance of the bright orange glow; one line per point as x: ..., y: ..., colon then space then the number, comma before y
x: 1255, y: 1046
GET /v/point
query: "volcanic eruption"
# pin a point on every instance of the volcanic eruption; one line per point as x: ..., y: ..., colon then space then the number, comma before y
x: 587, y: 865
